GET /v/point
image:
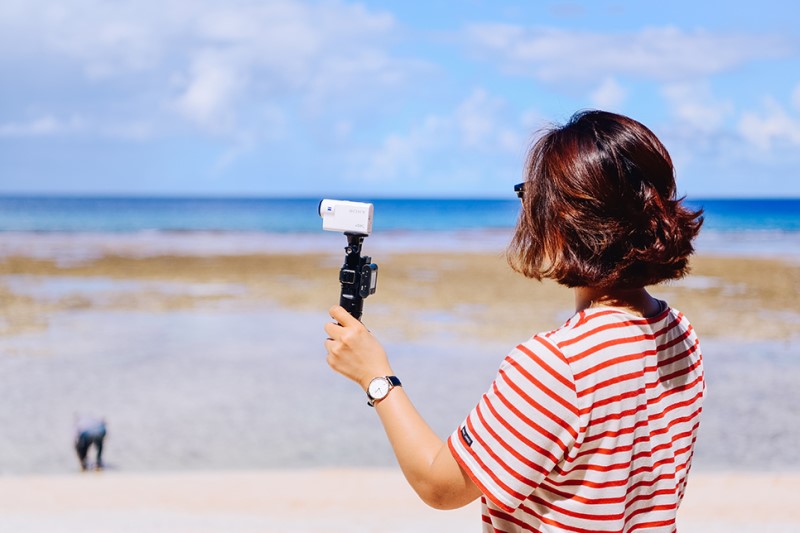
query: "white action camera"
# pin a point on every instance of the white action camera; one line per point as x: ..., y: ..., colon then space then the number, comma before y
x: 346, y: 217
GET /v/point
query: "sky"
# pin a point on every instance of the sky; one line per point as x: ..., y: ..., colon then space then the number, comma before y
x: 385, y: 98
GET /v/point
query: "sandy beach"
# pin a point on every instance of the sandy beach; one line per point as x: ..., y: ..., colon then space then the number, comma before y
x: 197, y: 361
x: 329, y: 501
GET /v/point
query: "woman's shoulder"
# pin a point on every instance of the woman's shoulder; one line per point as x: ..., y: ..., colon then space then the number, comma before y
x: 599, y: 324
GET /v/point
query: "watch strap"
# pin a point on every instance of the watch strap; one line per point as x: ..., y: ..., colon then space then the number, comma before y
x: 394, y: 381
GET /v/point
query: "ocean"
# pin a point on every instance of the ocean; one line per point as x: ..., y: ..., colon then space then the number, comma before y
x: 287, y: 215
x: 247, y: 225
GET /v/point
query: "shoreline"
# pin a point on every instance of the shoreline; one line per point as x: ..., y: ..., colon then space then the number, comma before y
x: 71, y: 246
x: 330, y: 501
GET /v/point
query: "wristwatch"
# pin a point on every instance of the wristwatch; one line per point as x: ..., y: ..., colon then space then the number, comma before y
x: 379, y: 388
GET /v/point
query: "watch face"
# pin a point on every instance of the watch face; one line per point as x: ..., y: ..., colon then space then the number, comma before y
x: 378, y: 388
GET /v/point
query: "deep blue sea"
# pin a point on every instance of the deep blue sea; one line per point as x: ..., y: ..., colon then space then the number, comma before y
x: 297, y: 215
x: 731, y: 225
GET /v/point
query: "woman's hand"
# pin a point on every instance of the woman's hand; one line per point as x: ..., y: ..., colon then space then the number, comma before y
x: 353, y: 351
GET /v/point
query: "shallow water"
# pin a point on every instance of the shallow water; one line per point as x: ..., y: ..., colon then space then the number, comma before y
x: 212, y: 388
x: 227, y: 387
x: 751, y: 416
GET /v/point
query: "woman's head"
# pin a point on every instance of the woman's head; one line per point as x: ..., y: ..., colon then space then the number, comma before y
x: 600, y: 207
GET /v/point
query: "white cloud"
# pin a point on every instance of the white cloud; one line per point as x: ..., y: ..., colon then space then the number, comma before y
x: 486, y: 124
x: 105, y: 38
x: 609, y: 95
x: 52, y: 126
x: 663, y: 54
x: 134, y: 130
x: 209, y: 95
x: 694, y: 106
x: 245, y: 143
x: 342, y: 130
x: 476, y: 119
x: 532, y: 119
x: 401, y: 155
x: 479, y: 126
x: 206, y: 61
x: 771, y: 128
x: 41, y: 126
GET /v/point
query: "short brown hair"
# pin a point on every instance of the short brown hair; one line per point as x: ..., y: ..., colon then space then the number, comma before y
x: 600, y: 208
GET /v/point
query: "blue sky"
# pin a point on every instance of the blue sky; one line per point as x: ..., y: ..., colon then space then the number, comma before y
x: 389, y: 98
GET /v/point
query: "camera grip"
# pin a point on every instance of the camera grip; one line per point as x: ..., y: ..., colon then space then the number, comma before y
x: 353, y: 304
x: 358, y: 277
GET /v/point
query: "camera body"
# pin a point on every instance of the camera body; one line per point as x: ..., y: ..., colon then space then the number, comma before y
x: 345, y: 216
x: 359, y: 275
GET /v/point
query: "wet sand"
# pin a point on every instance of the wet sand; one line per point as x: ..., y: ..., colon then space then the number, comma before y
x: 726, y: 297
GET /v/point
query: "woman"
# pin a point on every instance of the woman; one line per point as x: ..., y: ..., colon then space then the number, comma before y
x: 590, y: 426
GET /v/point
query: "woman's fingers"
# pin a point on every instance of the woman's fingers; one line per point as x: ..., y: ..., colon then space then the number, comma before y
x: 340, y: 314
x: 333, y: 330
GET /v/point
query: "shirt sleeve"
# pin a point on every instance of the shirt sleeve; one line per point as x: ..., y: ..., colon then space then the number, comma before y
x: 522, y: 426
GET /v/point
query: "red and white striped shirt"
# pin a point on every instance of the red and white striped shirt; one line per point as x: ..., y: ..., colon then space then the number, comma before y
x: 589, y: 427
